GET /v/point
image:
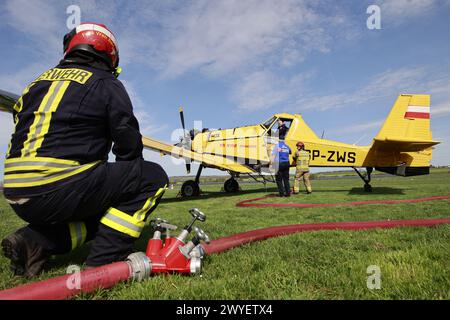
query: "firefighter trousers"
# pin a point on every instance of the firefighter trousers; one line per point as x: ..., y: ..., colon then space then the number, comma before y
x: 108, y: 206
x: 299, y: 174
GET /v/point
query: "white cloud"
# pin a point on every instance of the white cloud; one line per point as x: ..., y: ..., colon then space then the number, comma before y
x: 440, y: 94
x: 15, y: 82
x: 263, y: 90
x: 363, y: 127
x: 44, y: 22
x: 388, y: 84
x: 391, y: 83
x: 441, y: 110
x: 221, y: 37
x: 38, y: 19
x: 235, y: 40
x: 441, y: 152
x: 400, y: 11
x: 147, y: 123
x: 246, y: 43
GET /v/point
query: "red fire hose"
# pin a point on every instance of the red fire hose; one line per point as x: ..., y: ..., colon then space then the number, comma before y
x: 226, y: 243
x: 250, y: 202
x: 109, y: 275
x: 62, y: 287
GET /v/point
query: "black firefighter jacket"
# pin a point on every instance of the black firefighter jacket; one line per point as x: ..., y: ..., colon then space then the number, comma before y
x: 65, y: 123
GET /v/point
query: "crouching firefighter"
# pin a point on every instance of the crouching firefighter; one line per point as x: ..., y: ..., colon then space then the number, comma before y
x: 301, y: 162
x: 57, y: 177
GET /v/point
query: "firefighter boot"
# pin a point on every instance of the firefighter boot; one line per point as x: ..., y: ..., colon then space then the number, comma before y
x: 27, y: 257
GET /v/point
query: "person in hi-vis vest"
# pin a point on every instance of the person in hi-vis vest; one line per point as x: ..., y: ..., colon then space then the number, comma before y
x: 301, y: 160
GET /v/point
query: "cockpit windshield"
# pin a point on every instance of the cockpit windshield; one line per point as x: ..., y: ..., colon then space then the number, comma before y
x: 268, y: 124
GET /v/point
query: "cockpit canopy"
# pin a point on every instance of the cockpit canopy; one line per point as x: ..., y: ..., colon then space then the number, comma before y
x: 271, y: 125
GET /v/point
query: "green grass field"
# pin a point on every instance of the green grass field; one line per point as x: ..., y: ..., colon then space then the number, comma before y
x: 414, y: 262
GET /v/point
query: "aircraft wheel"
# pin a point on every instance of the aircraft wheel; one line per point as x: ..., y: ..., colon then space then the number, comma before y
x: 367, y: 188
x: 231, y: 186
x: 190, y: 188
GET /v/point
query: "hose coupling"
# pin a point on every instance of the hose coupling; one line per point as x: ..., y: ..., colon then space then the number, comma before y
x: 140, y: 266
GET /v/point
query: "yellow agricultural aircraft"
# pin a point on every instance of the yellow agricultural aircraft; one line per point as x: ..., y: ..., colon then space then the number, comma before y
x: 402, y: 147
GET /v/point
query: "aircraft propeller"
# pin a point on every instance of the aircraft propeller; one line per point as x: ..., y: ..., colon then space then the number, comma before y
x: 186, y: 140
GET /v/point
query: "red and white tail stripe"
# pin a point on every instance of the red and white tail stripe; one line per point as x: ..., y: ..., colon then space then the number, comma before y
x: 417, y: 112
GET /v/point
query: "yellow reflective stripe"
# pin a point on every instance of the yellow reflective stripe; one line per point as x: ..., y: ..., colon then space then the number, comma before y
x: 302, y: 160
x: 140, y: 214
x: 42, y: 118
x: 123, y: 222
x: 19, y: 104
x: 43, y: 180
x: 40, y: 174
x: 28, y: 164
x: 42, y: 159
x: 78, y: 233
x: 28, y: 175
x: 73, y: 235
x: 27, y: 168
x: 18, y: 108
x: 48, y: 117
x: 32, y: 132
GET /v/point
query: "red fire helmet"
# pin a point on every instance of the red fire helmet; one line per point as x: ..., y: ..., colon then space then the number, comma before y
x: 94, y: 38
x: 300, y: 144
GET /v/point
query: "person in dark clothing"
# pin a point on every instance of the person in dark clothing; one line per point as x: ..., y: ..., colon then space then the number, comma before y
x: 57, y: 177
x: 282, y: 129
x: 280, y: 161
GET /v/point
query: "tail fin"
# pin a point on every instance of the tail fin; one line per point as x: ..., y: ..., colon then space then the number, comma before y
x: 407, y: 128
x: 406, y: 137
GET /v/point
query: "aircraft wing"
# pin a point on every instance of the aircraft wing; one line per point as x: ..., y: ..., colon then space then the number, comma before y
x: 403, y: 144
x: 208, y: 160
x: 7, y: 101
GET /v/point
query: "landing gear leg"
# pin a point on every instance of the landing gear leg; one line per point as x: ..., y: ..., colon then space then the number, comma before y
x: 199, y: 173
x: 367, y: 186
x: 191, y: 188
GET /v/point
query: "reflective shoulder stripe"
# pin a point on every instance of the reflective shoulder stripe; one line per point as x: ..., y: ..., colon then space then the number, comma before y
x: 140, y: 214
x: 40, y: 126
x: 123, y: 222
x: 78, y: 234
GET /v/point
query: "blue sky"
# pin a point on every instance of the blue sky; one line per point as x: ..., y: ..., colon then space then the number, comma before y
x: 230, y: 63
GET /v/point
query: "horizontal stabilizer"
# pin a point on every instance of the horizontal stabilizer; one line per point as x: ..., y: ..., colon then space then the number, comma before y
x: 403, y: 144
